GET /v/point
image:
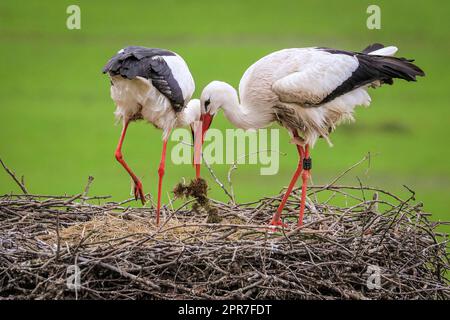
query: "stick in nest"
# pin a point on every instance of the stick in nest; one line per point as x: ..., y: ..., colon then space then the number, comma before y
x: 20, y: 182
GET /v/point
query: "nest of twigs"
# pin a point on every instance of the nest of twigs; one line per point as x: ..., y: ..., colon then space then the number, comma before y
x: 356, y: 243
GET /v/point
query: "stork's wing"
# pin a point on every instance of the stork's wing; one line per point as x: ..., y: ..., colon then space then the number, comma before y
x: 132, y: 62
x: 316, y: 79
x: 333, y: 73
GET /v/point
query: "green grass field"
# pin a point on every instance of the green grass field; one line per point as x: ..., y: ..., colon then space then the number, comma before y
x: 57, y: 125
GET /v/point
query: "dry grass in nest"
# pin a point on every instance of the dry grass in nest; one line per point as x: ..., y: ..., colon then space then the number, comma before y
x: 106, y: 228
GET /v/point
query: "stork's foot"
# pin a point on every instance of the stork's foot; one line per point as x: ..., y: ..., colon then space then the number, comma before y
x: 139, y: 192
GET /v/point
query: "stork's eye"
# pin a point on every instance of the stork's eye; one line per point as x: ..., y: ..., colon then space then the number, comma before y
x: 207, y: 102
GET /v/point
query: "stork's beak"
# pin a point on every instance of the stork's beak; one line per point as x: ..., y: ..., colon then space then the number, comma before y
x: 205, y: 122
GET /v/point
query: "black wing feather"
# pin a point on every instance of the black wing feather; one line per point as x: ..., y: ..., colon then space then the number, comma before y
x: 374, y: 68
x: 132, y: 62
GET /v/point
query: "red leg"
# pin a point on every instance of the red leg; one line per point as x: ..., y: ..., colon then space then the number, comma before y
x: 138, y: 192
x: 276, y: 218
x: 161, y: 171
x: 305, y: 177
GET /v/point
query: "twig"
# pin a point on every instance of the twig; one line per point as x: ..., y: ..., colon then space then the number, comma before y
x: 86, y: 188
x: 216, y: 179
x: 234, y: 167
x: 13, y: 176
x: 58, y: 238
x: 367, y: 157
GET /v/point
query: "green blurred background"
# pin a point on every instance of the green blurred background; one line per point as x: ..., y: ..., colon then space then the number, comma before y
x: 57, y: 125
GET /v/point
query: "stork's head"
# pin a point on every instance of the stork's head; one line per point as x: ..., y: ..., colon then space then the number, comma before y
x: 214, y: 96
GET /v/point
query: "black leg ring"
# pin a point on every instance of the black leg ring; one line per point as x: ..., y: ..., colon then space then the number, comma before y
x: 307, y: 164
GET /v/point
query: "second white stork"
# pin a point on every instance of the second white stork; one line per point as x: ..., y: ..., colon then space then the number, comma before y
x: 309, y: 91
x: 154, y: 85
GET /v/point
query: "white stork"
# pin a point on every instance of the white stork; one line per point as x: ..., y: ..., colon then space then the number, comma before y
x: 306, y: 90
x: 155, y: 85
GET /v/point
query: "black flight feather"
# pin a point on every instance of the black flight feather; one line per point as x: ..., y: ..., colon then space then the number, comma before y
x: 134, y: 61
x: 373, y: 68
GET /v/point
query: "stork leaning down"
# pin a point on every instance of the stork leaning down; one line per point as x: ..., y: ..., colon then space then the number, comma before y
x: 155, y: 85
x: 308, y: 90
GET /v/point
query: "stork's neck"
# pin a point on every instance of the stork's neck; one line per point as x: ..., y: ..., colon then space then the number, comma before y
x: 239, y: 115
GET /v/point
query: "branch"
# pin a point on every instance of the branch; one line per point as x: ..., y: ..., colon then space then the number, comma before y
x: 13, y: 176
x: 86, y: 188
x: 216, y: 179
x: 234, y: 166
x: 367, y: 157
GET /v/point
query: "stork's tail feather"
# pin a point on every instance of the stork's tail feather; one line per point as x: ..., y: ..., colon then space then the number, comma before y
x: 388, y: 68
x: 373, y: 47
x: 380, y: 50
x: 380, y: 58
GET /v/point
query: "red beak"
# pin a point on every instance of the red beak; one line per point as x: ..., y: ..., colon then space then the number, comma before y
x: 205, y: 121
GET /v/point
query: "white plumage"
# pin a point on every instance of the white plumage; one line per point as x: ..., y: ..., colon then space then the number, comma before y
x: 139, y: 99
